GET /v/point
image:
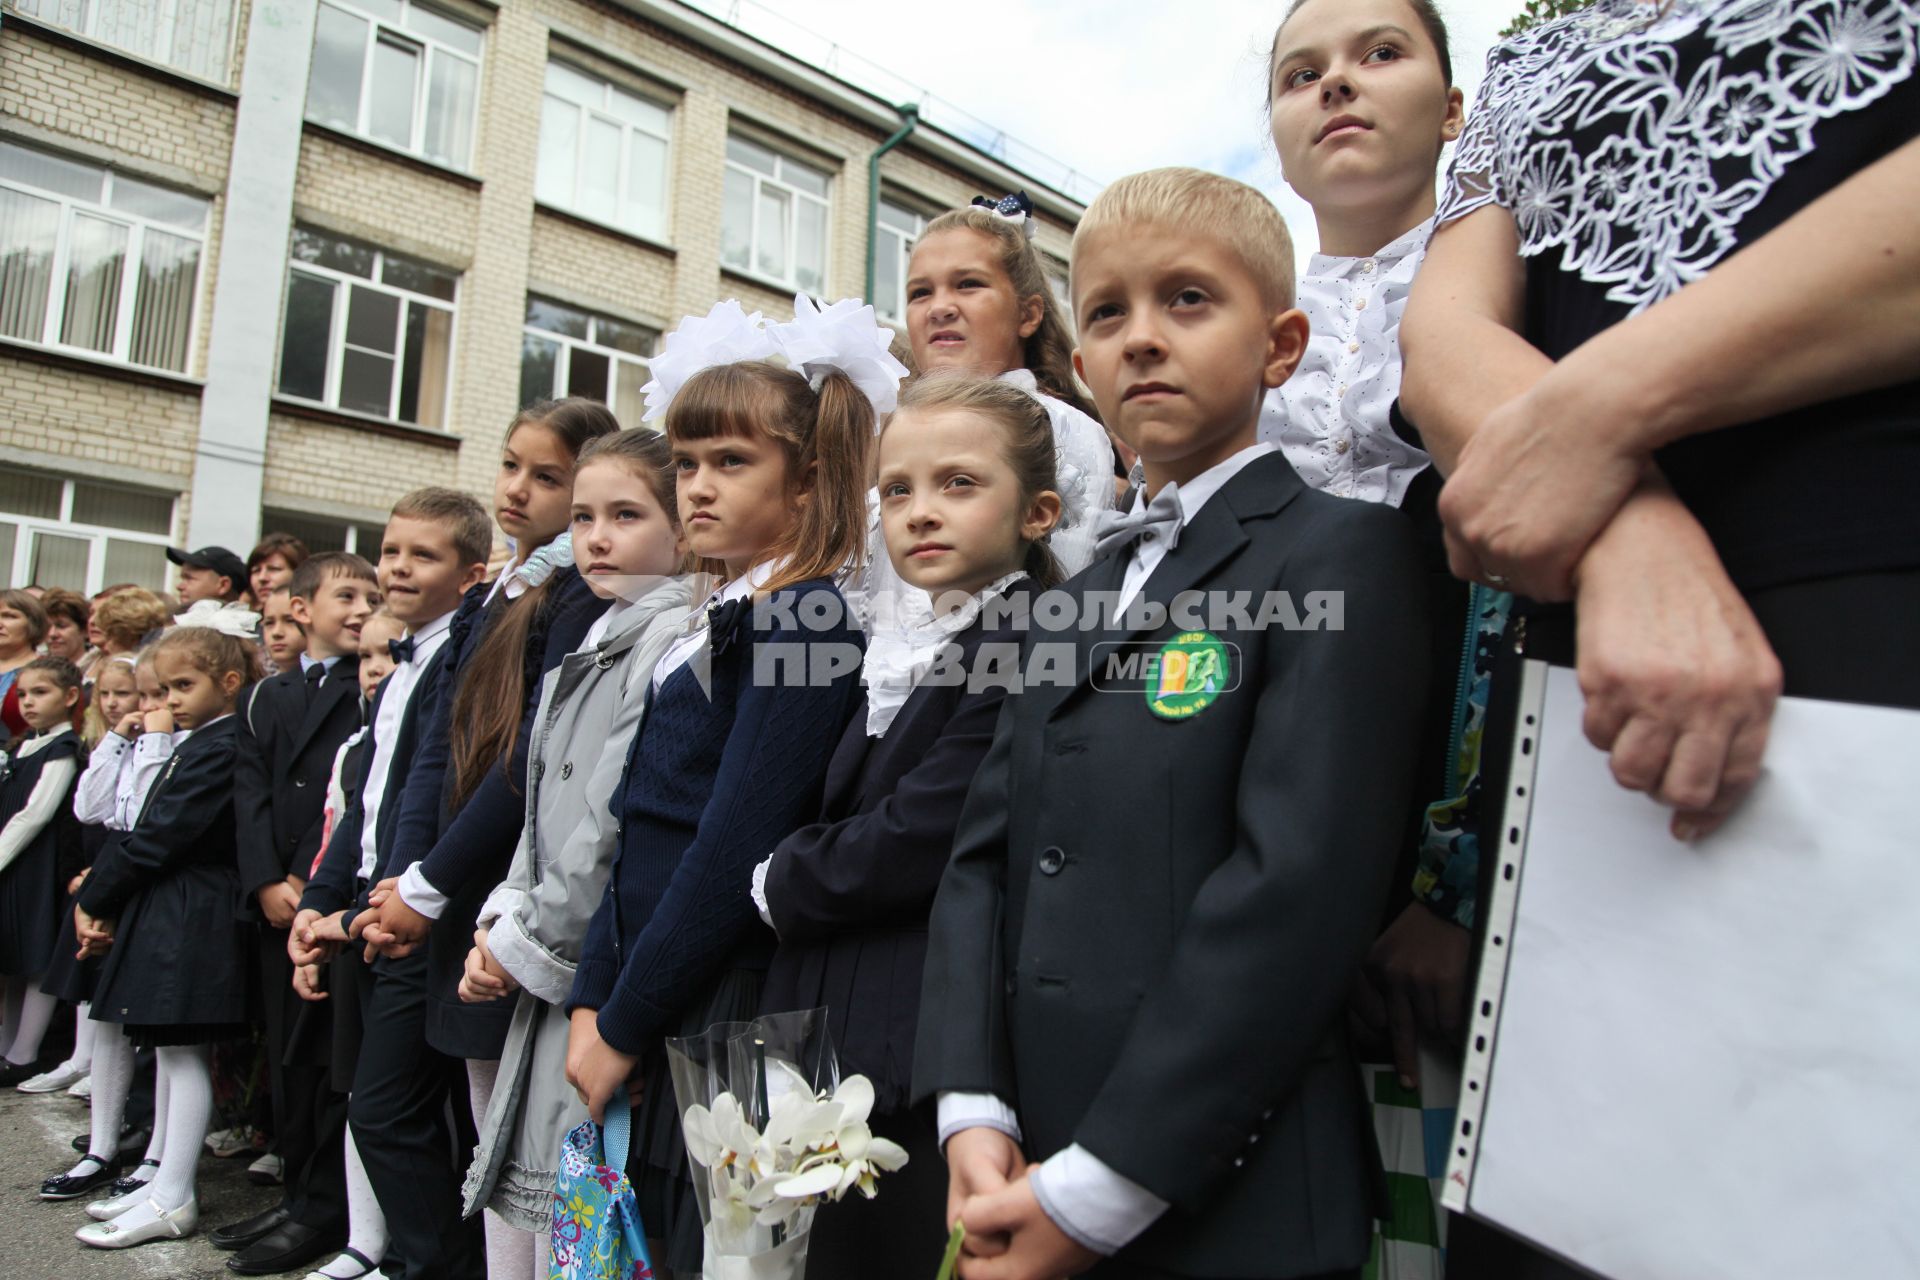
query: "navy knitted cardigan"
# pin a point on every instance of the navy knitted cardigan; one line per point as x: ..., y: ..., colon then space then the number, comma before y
x: 712, y: 784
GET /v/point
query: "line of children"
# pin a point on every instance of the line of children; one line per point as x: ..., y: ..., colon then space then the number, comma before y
x: 628, y: 546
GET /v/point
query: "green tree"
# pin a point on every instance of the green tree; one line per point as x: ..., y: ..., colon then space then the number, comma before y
x: 1539, y: 11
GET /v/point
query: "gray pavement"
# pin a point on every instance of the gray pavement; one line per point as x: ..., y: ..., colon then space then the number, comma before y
x: 36, y: 1237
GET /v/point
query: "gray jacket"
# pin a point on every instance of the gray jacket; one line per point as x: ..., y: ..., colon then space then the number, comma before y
x: 590, y: 709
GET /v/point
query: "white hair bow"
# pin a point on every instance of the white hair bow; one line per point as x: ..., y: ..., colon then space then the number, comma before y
x: 233, y: 620
x: 846, y: 336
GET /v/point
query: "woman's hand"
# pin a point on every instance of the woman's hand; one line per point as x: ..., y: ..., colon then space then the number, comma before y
x: 1534, y: 486
x: 1680, y: 682
x: 484, y: 979
x: 596, y: 1069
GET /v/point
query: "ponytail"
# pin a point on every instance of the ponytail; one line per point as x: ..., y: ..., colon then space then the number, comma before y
x: 828, y: 433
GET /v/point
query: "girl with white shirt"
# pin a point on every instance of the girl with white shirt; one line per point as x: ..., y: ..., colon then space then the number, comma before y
x: 109, y: 795
x: 1361, y: 102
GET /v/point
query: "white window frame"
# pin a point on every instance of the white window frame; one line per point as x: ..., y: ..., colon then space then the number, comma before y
x: 103, y: 211
x: 895, y: 309
x: 337, y: 331
x: 431, y: 49
x: 63, y: 526
x: 273, y: 518
x: 169, y: 16
x: 568, y: 344
x: 574, y: 204
x: 796, y: 194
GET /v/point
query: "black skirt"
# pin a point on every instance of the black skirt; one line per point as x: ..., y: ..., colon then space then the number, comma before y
x: 180, y: 959
x: 30, y: 897
x: 70, y: 978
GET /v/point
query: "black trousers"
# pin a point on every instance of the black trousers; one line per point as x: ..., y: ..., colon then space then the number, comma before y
x: 1842, y: 639
x: 309, y: 1118
x: 401, y: 1124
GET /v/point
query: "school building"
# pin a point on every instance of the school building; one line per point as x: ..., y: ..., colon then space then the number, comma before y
x: 268, y: 264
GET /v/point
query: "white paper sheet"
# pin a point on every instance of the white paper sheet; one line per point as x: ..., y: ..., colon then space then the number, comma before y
x: 1705, y: 1060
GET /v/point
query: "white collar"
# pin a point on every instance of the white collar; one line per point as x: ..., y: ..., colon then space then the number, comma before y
x: 1194, y: 493
x: 432, y: 629
x: 1409, y: 243
x: 896, y: 659
x: 737, y: 588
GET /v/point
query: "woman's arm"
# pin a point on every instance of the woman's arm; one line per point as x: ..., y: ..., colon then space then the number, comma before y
x: 1460, y: 344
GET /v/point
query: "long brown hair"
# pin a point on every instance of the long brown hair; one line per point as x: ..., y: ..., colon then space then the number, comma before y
x: 1048, y: 351
x: 1026, y: 438
x: 830, y: 431
x: 491, y: 698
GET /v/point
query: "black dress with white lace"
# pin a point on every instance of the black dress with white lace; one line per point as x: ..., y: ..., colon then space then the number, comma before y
x: 1636, y: 146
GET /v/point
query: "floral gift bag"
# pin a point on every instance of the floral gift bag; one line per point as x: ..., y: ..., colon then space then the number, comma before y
x: 596, y: 1219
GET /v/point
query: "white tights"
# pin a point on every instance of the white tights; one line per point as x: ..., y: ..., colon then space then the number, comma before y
x: 184, y: 1097
x: 24, y: 1019
x: 510, y: 1251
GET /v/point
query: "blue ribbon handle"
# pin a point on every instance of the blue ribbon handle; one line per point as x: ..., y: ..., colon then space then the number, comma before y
x: 616, y: 1135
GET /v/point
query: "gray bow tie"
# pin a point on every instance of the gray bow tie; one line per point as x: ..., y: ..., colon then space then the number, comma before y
x: 1118, y: 530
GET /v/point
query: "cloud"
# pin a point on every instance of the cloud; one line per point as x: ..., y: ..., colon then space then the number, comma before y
x: 1104, y: 88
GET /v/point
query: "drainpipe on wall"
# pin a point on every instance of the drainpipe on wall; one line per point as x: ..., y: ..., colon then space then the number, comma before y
x: 910, y: 119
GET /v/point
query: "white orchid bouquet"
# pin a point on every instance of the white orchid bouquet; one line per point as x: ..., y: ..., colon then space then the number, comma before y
x: 772, y: 1134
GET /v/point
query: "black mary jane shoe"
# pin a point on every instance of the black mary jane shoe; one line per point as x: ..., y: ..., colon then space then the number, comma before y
x: 71, y: 1186
x: 12, y: 1073
x: 132, y: 1180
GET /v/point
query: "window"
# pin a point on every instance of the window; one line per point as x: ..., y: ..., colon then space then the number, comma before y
x: 603, y: 152
x: 93, y: 260
x: 568, y: 352
x: 366, y: 330
x: 898, y: 228
x: 773, y: 219
x: 194, y: 36
x: 324, y: 533
x: 1056, y: 273
x: 399, y: 73
x: 77, y: 534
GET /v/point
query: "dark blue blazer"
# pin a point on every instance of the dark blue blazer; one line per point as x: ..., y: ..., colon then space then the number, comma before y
x: 850, y: 893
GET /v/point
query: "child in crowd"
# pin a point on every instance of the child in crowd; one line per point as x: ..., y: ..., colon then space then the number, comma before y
x: 771, y: 465
x: 460, y: 816
x: 39, y: 839
x: 114, y: 706
x: 23, y: 625
x: 161, y: 900
x: 978, y: 301
x: 110, y: 794
x: 433, y: 553
x: 290, y: 727
x: 1146, y: 996
x: 341, y: 982
x: 271, y: 565
x: 281, y: 639
x: 627, y: 545
x: 967, y: 498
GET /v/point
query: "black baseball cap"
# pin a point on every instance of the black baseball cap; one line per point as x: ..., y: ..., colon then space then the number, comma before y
x: 218, y: 559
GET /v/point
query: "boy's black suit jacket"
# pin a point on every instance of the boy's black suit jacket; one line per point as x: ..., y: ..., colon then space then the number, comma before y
x: 1146, y: 936
x: 283, y: 762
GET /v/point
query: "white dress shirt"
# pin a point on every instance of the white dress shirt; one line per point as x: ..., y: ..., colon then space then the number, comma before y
x: 694, y: 635
x: 1331, y: 416
x: 386, y: 727
x: 1153, y: 545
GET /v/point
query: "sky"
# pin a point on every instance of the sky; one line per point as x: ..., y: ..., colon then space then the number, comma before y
x: 1107, y: 87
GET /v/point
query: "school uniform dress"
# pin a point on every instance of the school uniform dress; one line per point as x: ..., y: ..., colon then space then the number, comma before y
x: 1762, y: 108
x: 106, y: 800
x: 849, y: 895
x: 40, y: 838
x: 731, y: 758
x: 290, y: 727
x: 176, y: 973
x: 1162, y: 887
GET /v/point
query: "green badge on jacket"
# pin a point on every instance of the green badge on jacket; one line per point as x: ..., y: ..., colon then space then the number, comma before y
x: 1189, y: 673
